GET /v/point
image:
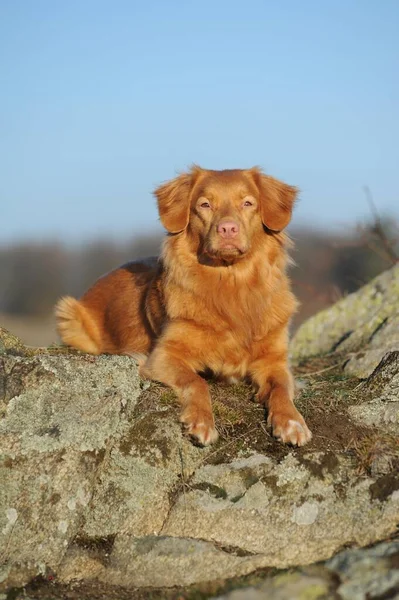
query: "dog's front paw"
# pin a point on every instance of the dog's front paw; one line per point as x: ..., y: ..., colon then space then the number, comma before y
x: 199, y: 424
x: 290, y: 430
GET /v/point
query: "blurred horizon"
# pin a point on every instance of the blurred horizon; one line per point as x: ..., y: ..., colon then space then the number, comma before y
x: 327, y: 266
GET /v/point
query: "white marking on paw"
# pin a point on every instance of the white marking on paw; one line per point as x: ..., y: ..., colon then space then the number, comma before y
x: 203, y: 433
x: 294, y: 433
x: 294, y: 426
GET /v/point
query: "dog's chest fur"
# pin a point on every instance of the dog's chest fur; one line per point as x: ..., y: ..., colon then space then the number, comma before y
x: 229, y: 314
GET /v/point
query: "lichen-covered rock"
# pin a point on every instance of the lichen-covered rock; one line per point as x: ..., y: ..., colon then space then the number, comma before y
x: 161, y: 561
x: 57, y: 417
x: 10, y: 343
x: 306, y: 584
x: 382, y: 410
x: 368, y: 574
x: 99, y: 488
x: 76, y: 460
x: 284, y: 511
x: 364, y: 325
x: 137, y: 476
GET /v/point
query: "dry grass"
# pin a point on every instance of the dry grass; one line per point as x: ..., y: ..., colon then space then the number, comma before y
x: 323, y: 399
x: 376, y: 452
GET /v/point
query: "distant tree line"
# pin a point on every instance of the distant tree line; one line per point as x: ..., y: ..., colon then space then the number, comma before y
x: 34, y: 274
x: 328, y: 266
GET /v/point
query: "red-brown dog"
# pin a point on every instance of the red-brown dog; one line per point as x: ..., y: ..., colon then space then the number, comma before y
x: 218, y: 299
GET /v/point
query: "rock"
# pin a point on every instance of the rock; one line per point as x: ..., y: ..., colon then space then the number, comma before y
x: 137, y: 477
x: 161, y: 561
x: 383, y: 386
x: 10, y: 343
x: 77, y: 462
x: 364, y: 326
x: 57, y: 419
x: 314, y: 584
x: 282, y: 511
x: 101, y: 492
x: 369, y: 574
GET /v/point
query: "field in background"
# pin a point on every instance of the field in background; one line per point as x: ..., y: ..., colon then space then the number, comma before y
x: 34, y: 331
x: 328, y: 266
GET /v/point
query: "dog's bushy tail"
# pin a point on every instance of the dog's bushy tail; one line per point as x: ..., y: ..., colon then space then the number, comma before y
x: 76, y: 326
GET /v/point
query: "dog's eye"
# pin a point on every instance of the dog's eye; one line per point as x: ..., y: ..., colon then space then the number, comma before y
x: 205, y: 205
x: 247, y: 203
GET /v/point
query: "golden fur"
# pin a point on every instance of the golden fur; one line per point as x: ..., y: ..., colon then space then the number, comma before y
x: 219, y: 298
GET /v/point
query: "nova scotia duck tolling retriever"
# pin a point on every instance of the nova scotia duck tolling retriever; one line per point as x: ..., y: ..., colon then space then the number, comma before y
x: 218, y: 300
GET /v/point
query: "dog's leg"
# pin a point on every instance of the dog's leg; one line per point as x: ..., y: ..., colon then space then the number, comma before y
x: 175, y: 366
x: 276, y: 392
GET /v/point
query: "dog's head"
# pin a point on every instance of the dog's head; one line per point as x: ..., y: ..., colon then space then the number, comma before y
x: 223, y: 212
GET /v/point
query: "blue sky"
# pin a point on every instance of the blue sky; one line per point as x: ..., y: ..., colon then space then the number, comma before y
x: 102, y: 100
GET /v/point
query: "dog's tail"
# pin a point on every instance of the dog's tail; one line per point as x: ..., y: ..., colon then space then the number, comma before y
x: 76, y: 326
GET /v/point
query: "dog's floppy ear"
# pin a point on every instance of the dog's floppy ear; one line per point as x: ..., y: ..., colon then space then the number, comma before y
x: 276, y: 200
x: 174, y: 201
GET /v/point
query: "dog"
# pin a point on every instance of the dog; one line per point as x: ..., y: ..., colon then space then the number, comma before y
x: 218, y: 299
